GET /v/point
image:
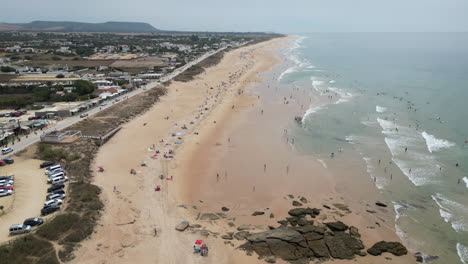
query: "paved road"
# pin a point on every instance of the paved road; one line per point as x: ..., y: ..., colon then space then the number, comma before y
x: 26, y: 142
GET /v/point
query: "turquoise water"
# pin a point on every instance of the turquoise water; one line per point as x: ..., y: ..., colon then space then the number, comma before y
x: 402, y: 109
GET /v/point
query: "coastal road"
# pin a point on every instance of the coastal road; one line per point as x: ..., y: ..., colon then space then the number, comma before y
x: 26, y: 142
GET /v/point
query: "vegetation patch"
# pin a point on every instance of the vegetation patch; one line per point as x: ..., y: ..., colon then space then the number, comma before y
x: 28, y: 249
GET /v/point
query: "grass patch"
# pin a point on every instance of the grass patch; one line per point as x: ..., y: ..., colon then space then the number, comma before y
x: 58, y: 226
x: 28, y: 249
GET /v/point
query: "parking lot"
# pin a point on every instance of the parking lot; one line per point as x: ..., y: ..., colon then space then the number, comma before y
x: 30, y: 185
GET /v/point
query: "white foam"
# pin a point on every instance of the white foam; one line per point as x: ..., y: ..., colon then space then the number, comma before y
x: 434, y: 144
x: 310, y: 111
x: 344, y: 96
x: 423, y: 166
x: 332, y: 81
x: 323, y: 163
x: 380, y: 109
x: 310, y: 67
x: 452, y: 212
x: 287, y: 71
x: 462, y: 252
x: 465, y: 179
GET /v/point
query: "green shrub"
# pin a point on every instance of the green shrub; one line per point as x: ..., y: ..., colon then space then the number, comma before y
x: 58, y: 226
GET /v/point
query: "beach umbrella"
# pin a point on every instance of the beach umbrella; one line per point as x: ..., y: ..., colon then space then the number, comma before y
x: 100, y: 167
x: 143, y: 162
x: 198, y: 242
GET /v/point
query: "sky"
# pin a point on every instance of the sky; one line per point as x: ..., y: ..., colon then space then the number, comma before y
x: 283, y: 16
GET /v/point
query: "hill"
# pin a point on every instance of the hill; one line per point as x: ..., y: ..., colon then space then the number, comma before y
x: 67, y: 26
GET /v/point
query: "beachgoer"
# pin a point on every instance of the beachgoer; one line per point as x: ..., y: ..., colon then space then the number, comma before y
x: 264, y: 167
x: 406, y: 149
x: 332, y: 155
x: 456, y: 165
x: 217, y: 177
x: 115, y: 188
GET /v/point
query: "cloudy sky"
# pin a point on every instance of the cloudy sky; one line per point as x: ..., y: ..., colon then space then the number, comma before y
x: 286, y: 16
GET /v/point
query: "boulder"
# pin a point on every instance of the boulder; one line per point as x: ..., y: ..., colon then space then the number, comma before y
x: 209, y: 216
x: 244, y: 227
x: 272, y: 215
x: 380, y: 204
x: 283, y: 222
x: 258, y: 213
x: 326, y: 206
x: 396, y: 248
x: 336, y: 226
x: 224, y: 209
x: 182, y: 226
x: 284, y: 234
x: 296, y: 203
x: 284, y: 250
x: 303, y: 200
x: 304, y: 222
x: 195, y: 226
x: 227, y: 236
x: 319, y: 248
x: 354, y: 231
x: 241, y: 235
x: 270, y: 259
x: 302, y: 212
x: 338, y: 248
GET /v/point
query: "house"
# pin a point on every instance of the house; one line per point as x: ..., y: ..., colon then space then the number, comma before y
x: 100, y: 91
x: 14, y: 48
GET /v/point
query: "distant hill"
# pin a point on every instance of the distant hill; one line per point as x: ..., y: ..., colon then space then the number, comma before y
x: 66, y: 26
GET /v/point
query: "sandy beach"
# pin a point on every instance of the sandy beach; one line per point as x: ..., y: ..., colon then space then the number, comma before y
x: 223, y: 142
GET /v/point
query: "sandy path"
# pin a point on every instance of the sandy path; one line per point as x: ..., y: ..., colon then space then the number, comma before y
x: 138, y: 223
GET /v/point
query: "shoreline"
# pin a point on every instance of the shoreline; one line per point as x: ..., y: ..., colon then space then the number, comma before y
x: 138, y: 223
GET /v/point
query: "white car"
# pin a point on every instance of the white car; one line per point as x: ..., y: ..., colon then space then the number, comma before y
x: 54, y: 171
x: 5, y: 192
x: 7, y: 150
x: 53, y: 202
x: 55, y: 180
x: 59, y: 196
x: 6, y: 182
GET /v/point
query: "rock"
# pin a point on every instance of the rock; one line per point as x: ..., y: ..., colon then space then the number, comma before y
x: 419, y: 257
x: 283, y: 222
x: 270, y: 259
x: 338, y: 248
x: 272, y: 215
x: 231, y: 224
x: 361, y: 253
x: 319, y: 248
x: 302, y: 212
x: 205, y: 233
x: 371, y: 211
x: 326, y: 206
x: 296, y: 203
x: 284, y: 234
x: 182, y: 226
x: 195, y: 226
x: 303, y: 200
x: 224, y: 209
x: 292, y: 220
x: 396, y: 248
x: 336, y: 226
x: 354, y: 231
x: 291, y: 196
x: 380, y: 204
x: 241, y: 235
x: 227, y: 236
x: 209, y: 216
x: 258, y: 213
x: 304, y: 222
x: 342, y: 207
x: 244, y: 227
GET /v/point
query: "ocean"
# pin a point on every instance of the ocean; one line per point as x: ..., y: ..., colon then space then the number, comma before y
x: 393, y: 112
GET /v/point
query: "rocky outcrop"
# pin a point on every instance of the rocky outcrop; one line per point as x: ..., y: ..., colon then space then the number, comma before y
x: 302, y: 212
x: 302, y: 243
x: 209, y: 216
x: 396, y: 248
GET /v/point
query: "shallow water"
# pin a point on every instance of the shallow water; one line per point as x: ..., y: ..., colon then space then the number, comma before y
x: 396, y: 116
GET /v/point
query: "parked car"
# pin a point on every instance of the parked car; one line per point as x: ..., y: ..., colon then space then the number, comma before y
x: 103, y: 104
x: 6, y: 187
x: 61, y: 179
x: 55, y: 175
x: 83, y: 115
x: 33, y: 221
x: 49, y: 209
x: 52, y: 168
x: 53, y: 196
x: 2, y: 163
x: 7, y: 181
x: 59, y: 191
x: 7, y: 150
x: 9, y: 161
x: 53, y: 202
x: 46, y: 164
x: 12, y: 120
x: 19, y: 229
x: 55, y: 187
x: 59, y: 170
x: 5, y: 192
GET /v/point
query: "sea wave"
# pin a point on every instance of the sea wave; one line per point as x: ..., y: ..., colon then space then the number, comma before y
x: 465, y: 179
x: 434, y: 144
x: 332, y: 81
x: 323, y: 163
x: 418, y: 166
x: 344, y: 96
x: 310, y: 111
x: 462, y: 252
x: 452, y: 212
x: 380, y: 109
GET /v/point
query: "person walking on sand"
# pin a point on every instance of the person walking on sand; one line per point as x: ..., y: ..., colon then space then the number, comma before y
x: 217, y: 177
x: 264, y: 167
x: 287, y: 169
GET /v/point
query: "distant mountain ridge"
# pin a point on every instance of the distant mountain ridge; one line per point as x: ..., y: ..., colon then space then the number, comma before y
x: 68, y: 26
